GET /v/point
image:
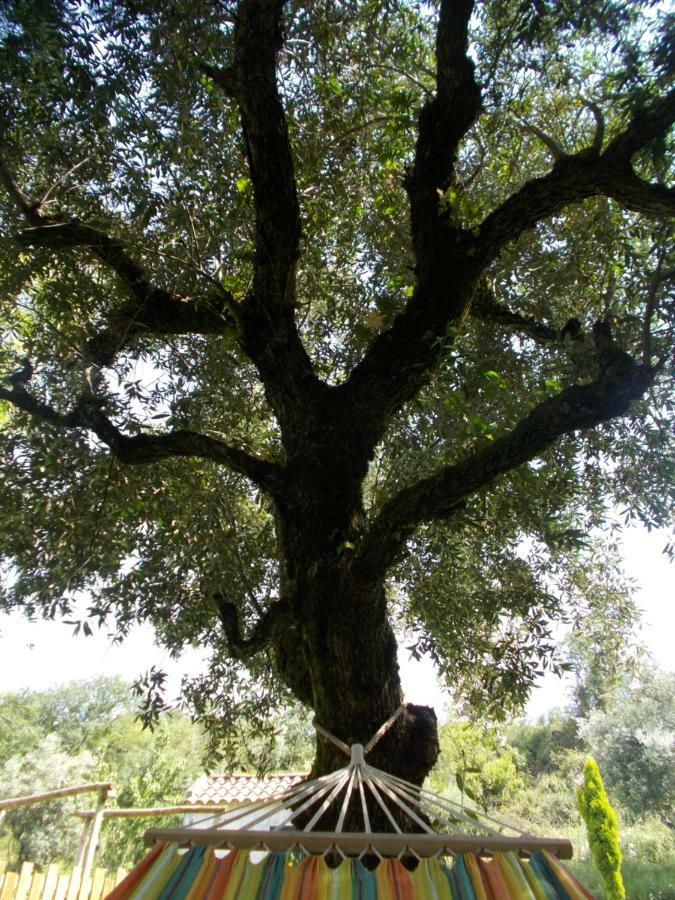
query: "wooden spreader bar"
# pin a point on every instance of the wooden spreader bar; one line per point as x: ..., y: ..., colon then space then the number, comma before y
x: 357, y: 843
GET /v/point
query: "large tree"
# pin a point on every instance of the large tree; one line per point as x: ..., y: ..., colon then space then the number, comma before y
x: 322, y: 318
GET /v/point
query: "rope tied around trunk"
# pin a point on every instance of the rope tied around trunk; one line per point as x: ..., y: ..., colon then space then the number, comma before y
x: 375, y: 739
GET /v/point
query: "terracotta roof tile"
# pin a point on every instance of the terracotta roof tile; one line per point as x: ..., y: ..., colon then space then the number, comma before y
x: 222, y: 789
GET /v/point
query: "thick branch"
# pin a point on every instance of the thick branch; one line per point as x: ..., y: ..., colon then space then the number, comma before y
x: 443, y: 122
x: 260, y: 636
x: 146, y: 448
x: 586, y: 174
x: 576, y: 408
x: 257, y: 41
x: 451, y: 260
x: 649, y: 122
x: 646, y: 197
x: 151, y: 310
x: 269, y: 334
x: 485, y: 306
x: 397, y: 362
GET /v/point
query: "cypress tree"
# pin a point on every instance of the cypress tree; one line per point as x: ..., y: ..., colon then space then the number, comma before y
x: 603, y: 829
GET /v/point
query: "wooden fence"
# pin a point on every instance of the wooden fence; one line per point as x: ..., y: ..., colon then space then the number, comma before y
x: 52, y: 884
x: 84, y: 882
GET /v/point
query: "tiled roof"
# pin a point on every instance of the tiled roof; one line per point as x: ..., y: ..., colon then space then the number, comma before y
x: 222, y: 789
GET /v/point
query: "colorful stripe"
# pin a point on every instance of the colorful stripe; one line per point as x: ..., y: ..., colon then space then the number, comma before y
x: 463, y: 876
x: 220, y: 878
x: 125, y: 886
x: 515, y: 878
x: 570, y: 882
x: 165, y: 874
x: 393, y: 881
x: 429, y: 880
x: 151, y: 885
x: 547, y: 874
x: 200, y: 884
x: 493, y: 878
x: 480, y: 889
x: 363, y: 881
x: 542, y: 890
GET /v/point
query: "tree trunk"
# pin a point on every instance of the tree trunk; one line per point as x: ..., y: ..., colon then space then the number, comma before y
x: 338, y: 651
x: 356, y: 687
x: 350, y: 653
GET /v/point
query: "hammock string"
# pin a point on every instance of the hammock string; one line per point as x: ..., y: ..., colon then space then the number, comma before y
x: 375, y: 739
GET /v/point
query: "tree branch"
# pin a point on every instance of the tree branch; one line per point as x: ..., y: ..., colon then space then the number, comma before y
x: 28, y: 207
x: 398, y: 360
x: 269, y: 334
x: 253, y: 80
x: 152, y: 310
x: 647, y: 123
x: 146, y: 448
x: 647, y: 197
x: 486, y: 307
x: 586, y: 174
x: 599, y: 136
x: 450, y: 259
x: 260, y: 636
x: 620, y: 383
x: 658, y: 278
x: 550, y: 143
x: 443, y: 122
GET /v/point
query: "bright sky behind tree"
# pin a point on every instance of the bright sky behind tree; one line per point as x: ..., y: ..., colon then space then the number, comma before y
x: 37, y: 655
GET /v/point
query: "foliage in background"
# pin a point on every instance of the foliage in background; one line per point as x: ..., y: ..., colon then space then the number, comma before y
x: 477, y: 765
x: 525, y: 772
x: 81, y: 713
x: 89, y: 731
x: 603, y: 829
x: 603, y: 642
x: 46, y: 832
x: 633, y: 742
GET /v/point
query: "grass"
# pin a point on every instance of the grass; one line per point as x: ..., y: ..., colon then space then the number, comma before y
x: 642, y: 880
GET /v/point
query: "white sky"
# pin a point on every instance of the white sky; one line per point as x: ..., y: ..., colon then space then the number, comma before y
x: 41, y: 654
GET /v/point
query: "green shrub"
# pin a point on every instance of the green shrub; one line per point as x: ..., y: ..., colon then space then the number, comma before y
x: 649, y: 840
x: 603, y: 830
x: 643, y: 881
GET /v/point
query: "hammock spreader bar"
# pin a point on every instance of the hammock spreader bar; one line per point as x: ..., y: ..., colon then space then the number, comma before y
x: 358, y: 843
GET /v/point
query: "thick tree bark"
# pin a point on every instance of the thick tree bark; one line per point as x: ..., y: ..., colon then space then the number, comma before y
x: 338, y: 651
x: 343, y: 652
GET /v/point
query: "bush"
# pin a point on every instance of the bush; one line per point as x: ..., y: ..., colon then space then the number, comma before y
x: 649, y: 840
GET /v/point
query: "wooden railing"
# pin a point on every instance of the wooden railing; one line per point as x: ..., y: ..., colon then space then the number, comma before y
x: 88, y: 845
x: 52, y: 884
x: 83, y: 882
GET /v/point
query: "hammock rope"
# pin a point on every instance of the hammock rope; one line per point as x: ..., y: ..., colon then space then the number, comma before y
x: 366, y: 785
x: 369, y: 745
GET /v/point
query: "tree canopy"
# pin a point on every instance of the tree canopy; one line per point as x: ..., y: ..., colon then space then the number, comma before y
x: 320, y: 320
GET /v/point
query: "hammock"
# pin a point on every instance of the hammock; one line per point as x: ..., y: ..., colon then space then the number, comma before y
x: 225, y: 861
x: 204, y: 874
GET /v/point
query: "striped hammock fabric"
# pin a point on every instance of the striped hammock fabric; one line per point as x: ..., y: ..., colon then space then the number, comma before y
x: 200, y: 874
